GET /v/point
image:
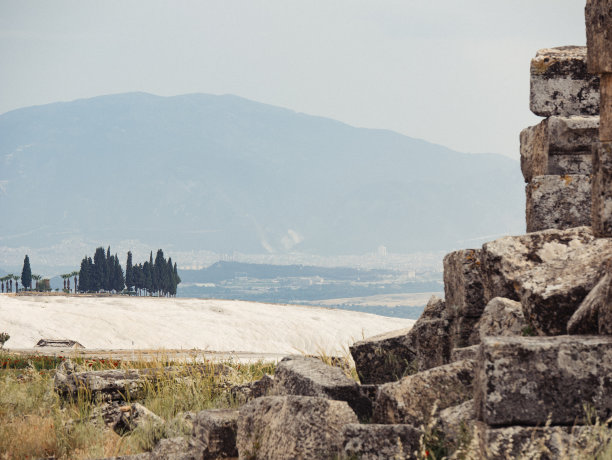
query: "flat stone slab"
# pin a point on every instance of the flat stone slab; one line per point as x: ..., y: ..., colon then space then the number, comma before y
x: 412, y: 399
x: 292, y: 427
x: 550, y: 272
x: 559, y: 145
x: 303, y: 376
x: 602, y: 190
x: 558, y: 202
x: 380, y: 442
x: 560, y: 83
x: 530, y: 380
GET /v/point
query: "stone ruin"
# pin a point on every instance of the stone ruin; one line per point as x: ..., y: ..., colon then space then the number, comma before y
x: 516, y: 361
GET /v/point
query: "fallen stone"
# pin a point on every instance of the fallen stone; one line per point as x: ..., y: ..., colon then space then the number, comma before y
x: 290, y: 427
x: 252, y: 390
x: 432, y: 343
x: 561, y: 84
x: 598, y: 17
x: 463, y: 332
x: 530, y: 380
x: 385, y: 357
x: 435, y: 309
x: 214, y: 434
x: 134, y: 416
x: 380, y: 442
x: 559, y: 146
x: 456, y: 422
x: 59, y: 343
x: 302, y: 376
x: 585, y: 320
x: 550, y: 272
x: 176, y: 448
x: 545, y: 443
x: 558, y: 202
x: 602, y: 190
x: 502, y: 317
x: 412, y: 399
x: 459, y: 354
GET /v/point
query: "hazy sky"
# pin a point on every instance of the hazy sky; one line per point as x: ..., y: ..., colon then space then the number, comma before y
x: 454, y: 72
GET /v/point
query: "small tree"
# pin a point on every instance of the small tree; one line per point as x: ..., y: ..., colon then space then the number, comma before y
x: 26, y: 273
x: 3, y: 338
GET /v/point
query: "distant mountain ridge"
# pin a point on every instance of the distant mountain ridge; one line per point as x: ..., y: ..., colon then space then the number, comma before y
x: 224, y: 173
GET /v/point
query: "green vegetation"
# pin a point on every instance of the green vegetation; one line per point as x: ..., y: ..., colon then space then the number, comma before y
x: 35, y: 422
x: 26, y: 274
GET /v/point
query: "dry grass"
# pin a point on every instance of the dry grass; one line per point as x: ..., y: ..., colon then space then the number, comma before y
x: 36, y: 423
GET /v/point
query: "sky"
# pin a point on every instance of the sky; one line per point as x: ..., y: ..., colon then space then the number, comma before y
x: 451, y: 72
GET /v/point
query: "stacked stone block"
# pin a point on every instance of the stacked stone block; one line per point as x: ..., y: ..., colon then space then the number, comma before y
x: 557, y: 154
x: 598, y: 15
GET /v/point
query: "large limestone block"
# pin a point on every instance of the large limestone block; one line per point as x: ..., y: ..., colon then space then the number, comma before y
x: 463, y: 332
x: 432, y: 344
x: 502, y: 317
x: 561, y: 85
x: 550, y: 272
x: 527, y: 380
x: 380, y: 442
x: 456, y: 421
x: 543, y: 443
x: 602, y: 190
x: 412, y: 399
x: 214, y: 433
x: 598, y: 16
x: 605, y: 128
x: 559, y: 145
x: 385, y: 357
x: 459, y: 354
x: 463, y: 290
x: 303, y: 376
x: 292, y: 427
x: 558, y: 202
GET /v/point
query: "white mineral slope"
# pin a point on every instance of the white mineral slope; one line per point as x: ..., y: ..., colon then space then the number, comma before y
x: 180, y: 323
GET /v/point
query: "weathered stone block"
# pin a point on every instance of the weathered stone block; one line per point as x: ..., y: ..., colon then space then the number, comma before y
x: 459, y: 354
x: 527, y: 380
x: 561, y: 84
x: 585, y: 320
x: 463, y: 290
x: 558, y: 202
x: 602, y: 190
x: 252, y: 390
x: 550, y: 272
x: 501, y: 317
x: 303, y: 376
x: 412, y: 399
x: 598, y: 16
x: 290, y: 427
x: 432, y: 344
x: 457, y: 421
x: 463, y: 332
x: 605, y: 128
x: 214, y: 433
x: 543, y: 443
x: 380, y: 442
x: 385, y: 357
x: 559, y: 145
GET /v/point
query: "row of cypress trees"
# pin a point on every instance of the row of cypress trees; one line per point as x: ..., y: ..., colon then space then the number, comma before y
x: 104, y: 273
x: 158, y: 277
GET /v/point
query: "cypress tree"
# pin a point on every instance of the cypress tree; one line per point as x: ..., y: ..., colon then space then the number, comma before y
x: 26, y: 273
x: 118, y: 280
x: 148, y: 281
x: 171, y: 278
x: 129, y: 272
x: 99, y: 271
x: 84, y: 276
x: 159, y: 272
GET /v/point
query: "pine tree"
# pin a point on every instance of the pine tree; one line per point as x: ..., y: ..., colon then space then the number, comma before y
x: 129, y: 272
x: 26, y: 273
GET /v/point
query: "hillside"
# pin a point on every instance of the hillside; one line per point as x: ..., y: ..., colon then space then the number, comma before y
x: 224, y: 173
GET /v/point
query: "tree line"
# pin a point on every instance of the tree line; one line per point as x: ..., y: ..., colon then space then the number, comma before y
x: 104, y: 273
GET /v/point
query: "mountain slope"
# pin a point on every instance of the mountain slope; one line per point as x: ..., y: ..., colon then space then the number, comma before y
x: 224, y: 173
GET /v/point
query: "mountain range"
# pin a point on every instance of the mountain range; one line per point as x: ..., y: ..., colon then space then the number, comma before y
x: 224, y: 173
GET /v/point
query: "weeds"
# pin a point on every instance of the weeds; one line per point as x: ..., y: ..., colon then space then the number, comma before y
x: 35, y: 422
